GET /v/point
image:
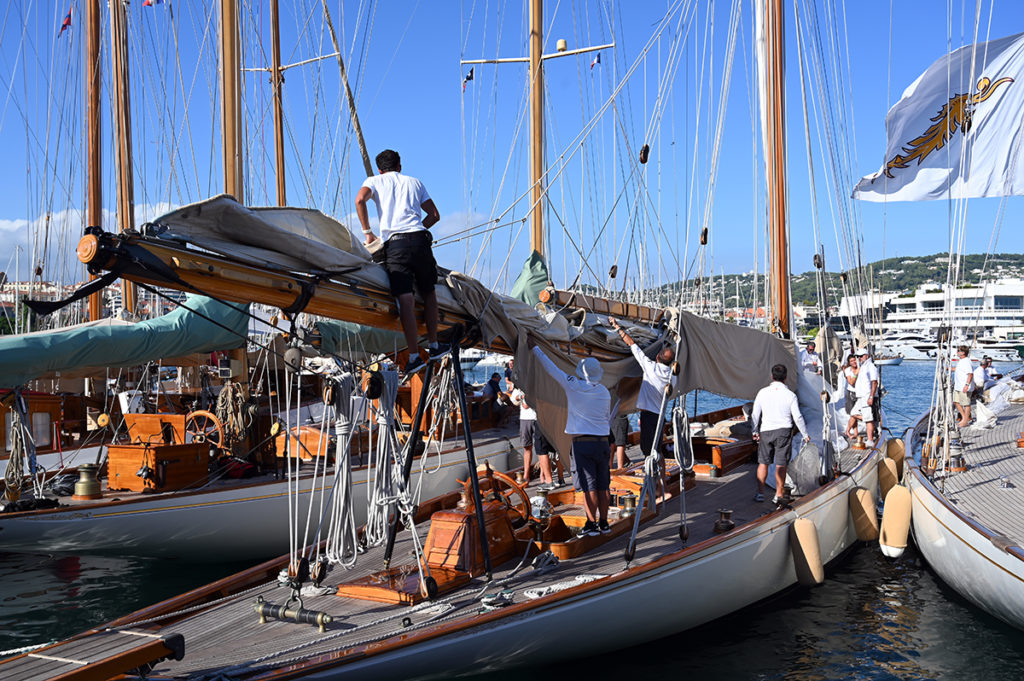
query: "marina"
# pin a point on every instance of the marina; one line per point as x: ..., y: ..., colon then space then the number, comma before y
x: 284, y: 424
x: 873, y: 616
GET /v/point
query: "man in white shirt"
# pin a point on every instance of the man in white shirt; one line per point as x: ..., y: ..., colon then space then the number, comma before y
x: 528, y: 435
x: 963, y: 385
x: 809, y: 359
x: 656, y: 377
x: 983, y: 377
x: 407, y: 256
x: 865, y: 390
x: 775, y: 412
x: 588, y: 421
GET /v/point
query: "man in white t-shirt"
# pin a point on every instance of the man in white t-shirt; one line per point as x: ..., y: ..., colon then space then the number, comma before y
x: 528, y: 435
x: 865, y: 389
x: 657, y: 374
x: 810, y: 360
x: 407, y: 256
x: 983, y: 377
x: 963, y: 385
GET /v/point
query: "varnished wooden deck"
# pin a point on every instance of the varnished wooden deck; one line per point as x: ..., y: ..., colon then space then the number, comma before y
x: 992, y: 454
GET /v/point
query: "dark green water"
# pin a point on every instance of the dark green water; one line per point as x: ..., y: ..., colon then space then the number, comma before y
x: 872, y: 619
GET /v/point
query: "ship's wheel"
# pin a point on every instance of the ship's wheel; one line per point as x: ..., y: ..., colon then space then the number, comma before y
x: 504, y: 488
x: 204, y: 426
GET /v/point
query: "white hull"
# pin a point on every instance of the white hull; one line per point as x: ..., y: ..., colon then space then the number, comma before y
x: 239, y: 523
x: 55, y: 461
x: 888, y: 361
x: 679, y: 591
x: 962, y: 553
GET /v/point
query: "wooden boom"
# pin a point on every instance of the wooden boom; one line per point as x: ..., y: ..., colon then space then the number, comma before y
x: 341, y: 297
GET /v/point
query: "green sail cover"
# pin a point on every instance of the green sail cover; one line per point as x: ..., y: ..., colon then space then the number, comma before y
x: 355, y: 341
x: 112, y: 344
x: 531, y: 280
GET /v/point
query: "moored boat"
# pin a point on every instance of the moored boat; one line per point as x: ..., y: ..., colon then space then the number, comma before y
x: 968, y: 517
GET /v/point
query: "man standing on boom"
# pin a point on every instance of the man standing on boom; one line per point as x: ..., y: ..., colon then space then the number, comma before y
x: 407, y: 256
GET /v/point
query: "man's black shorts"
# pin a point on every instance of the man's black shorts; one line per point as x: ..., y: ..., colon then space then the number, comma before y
x: 410, y: 262
x: 591, y: 473
x: 620, y: 431
x: 774, y: 446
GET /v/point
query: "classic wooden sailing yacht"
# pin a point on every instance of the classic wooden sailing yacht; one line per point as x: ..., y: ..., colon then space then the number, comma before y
x: 162, y: 494
x: 469, y: 599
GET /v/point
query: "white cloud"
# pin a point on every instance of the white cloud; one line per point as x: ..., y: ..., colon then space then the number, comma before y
x: 49, y: 240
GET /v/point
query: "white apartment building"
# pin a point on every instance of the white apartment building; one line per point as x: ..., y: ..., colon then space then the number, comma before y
x: 994, y: 309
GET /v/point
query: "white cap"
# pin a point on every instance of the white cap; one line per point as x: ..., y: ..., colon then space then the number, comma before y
x: 589, y: 370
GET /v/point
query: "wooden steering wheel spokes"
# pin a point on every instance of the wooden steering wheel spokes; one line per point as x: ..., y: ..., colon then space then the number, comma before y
x: 204, y: 426
x: 504, y: 487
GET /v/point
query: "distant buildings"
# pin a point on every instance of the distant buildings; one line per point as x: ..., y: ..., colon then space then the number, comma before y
x: 994, y: 308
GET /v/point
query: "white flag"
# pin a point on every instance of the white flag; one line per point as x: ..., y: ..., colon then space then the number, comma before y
x: 956, y: 133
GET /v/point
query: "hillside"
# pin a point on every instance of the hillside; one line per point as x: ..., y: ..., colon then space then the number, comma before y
x: 901, y: 274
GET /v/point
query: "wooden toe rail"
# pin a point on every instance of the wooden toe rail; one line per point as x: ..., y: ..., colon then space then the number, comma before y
x: 98, y: 657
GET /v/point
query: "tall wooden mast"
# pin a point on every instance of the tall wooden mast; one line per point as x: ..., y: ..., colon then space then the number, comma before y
x: 536, y: 74
x: 537, y: 240
x: 93, y: 134
x: 230, y: 100
x: 277, y: 80
x: 774, y: 109
x: 122, y: 131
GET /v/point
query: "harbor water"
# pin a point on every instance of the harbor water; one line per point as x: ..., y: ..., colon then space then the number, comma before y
x: 872, y: 619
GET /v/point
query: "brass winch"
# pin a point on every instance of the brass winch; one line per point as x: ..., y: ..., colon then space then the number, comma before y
x: 725, y: 521
x: 88, y: 485
x: 627, y: 505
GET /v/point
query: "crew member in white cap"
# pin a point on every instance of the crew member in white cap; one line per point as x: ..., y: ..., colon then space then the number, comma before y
x: 588, y: 420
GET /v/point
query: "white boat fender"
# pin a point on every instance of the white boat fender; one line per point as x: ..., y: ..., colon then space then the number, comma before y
x: 803, y: 542
x: 897, y: 451
x: 895, y: 522
x: 887, y: 478
x: 864, y: 514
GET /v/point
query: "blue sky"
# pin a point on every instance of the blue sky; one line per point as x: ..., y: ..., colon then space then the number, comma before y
x: 469, y: 148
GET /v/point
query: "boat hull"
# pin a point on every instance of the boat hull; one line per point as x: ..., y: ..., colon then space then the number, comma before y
x: 245, y: 522
x: 672, y: 594
x: 964, y: 554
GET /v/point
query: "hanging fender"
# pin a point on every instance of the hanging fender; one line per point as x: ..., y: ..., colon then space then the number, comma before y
x: 864, y: 514
x: 895, y: 522
x: 887, y: 478
x: 897, y: 451
x: 803, y: 542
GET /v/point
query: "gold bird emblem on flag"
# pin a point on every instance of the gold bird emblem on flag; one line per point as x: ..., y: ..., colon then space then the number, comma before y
x: 955, y: 114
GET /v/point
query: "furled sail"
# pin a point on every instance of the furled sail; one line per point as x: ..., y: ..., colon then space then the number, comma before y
x: 722, y: 358
x: 114, y: 343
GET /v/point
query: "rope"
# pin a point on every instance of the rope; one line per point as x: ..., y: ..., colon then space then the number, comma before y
x: 231, y: 412
x: 342, y: 534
